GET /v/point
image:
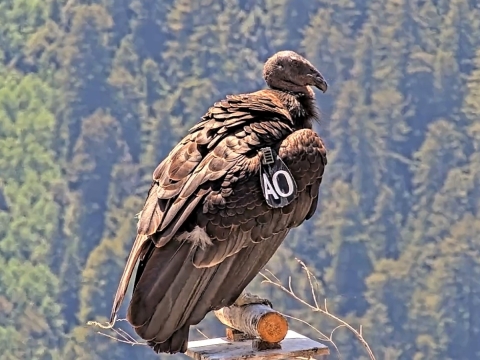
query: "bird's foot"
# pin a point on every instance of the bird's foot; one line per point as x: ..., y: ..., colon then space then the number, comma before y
x: 250, y: 299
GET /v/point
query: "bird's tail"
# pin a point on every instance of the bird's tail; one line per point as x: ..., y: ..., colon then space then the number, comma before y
x: 171, y: 294
x: 135, y: 253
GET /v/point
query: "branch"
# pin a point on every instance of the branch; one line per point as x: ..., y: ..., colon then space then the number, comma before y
x: 121, y: 335
x: 273, y: 280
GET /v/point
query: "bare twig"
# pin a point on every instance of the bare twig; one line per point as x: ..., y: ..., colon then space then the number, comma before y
x: 120, y: 334
x: 201, y: 333
x: 273, y: 280
x: 322, y: 336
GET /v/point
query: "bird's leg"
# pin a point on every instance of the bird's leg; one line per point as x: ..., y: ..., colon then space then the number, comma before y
x: 246, y: 298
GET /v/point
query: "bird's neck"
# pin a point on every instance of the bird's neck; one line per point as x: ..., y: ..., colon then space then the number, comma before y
x: 302, y: 108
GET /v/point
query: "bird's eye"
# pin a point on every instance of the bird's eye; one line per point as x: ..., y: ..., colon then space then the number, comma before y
x: 280, y: 66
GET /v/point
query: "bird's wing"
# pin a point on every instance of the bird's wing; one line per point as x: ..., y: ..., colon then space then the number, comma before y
x: 237, y: 214
x: 179, y: 283
x: 221, y: 150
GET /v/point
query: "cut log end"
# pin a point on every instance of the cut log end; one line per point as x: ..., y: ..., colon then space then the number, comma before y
x: 255, y: 320
x: 272, y: 327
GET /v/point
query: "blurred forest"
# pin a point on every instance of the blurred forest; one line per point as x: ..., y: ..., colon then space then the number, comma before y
x: 94, y: 93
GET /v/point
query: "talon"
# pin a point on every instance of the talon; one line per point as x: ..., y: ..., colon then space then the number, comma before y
x: 249, y: 299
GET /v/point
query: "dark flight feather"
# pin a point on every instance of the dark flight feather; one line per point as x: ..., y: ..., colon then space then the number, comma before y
x: 206, y: 230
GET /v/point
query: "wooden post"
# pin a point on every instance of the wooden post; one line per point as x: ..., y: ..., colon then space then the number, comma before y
x: 255, y: 331
x: 294, y: 346
x: 255, y: 320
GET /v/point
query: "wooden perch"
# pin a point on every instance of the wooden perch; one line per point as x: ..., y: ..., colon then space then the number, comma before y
x: 294, y: 346
x: 255, y: 320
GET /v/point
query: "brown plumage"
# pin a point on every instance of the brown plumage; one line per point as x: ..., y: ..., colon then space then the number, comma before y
x: 206, y: 230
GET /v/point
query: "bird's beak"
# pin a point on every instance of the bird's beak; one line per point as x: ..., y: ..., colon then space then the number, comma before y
x: 319, y: 81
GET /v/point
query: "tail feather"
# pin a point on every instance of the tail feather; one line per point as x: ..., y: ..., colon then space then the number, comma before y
x: 178, y: 342
x: 135, y: 254
x: 172, y: 294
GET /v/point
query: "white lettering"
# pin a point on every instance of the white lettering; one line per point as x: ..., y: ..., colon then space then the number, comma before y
x: 289, y: 183
x: 268, y: 187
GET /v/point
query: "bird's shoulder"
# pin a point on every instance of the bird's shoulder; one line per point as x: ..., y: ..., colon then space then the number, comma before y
x: 223, y: 145
x: 261, y: 105
x: 236, y: 125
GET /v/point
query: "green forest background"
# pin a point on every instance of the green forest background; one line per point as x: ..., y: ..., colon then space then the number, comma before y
x: 93, y: 94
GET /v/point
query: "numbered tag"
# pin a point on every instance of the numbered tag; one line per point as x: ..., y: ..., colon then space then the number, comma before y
x: 278, y: 185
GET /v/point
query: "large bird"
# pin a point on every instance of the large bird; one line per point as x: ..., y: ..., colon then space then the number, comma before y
x: 223, y: 201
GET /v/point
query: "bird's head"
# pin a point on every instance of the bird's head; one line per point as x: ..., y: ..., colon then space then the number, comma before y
x: 289, y: 71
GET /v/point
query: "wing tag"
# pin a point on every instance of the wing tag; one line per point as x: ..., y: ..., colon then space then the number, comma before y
x: 278, y: 185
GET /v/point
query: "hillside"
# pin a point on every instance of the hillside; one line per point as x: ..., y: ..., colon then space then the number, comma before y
x: 94, y: 93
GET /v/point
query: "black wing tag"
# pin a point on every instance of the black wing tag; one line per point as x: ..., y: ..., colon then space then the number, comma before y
x: 278, y: 185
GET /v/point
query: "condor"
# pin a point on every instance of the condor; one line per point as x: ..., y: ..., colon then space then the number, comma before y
x: 207, y: 226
